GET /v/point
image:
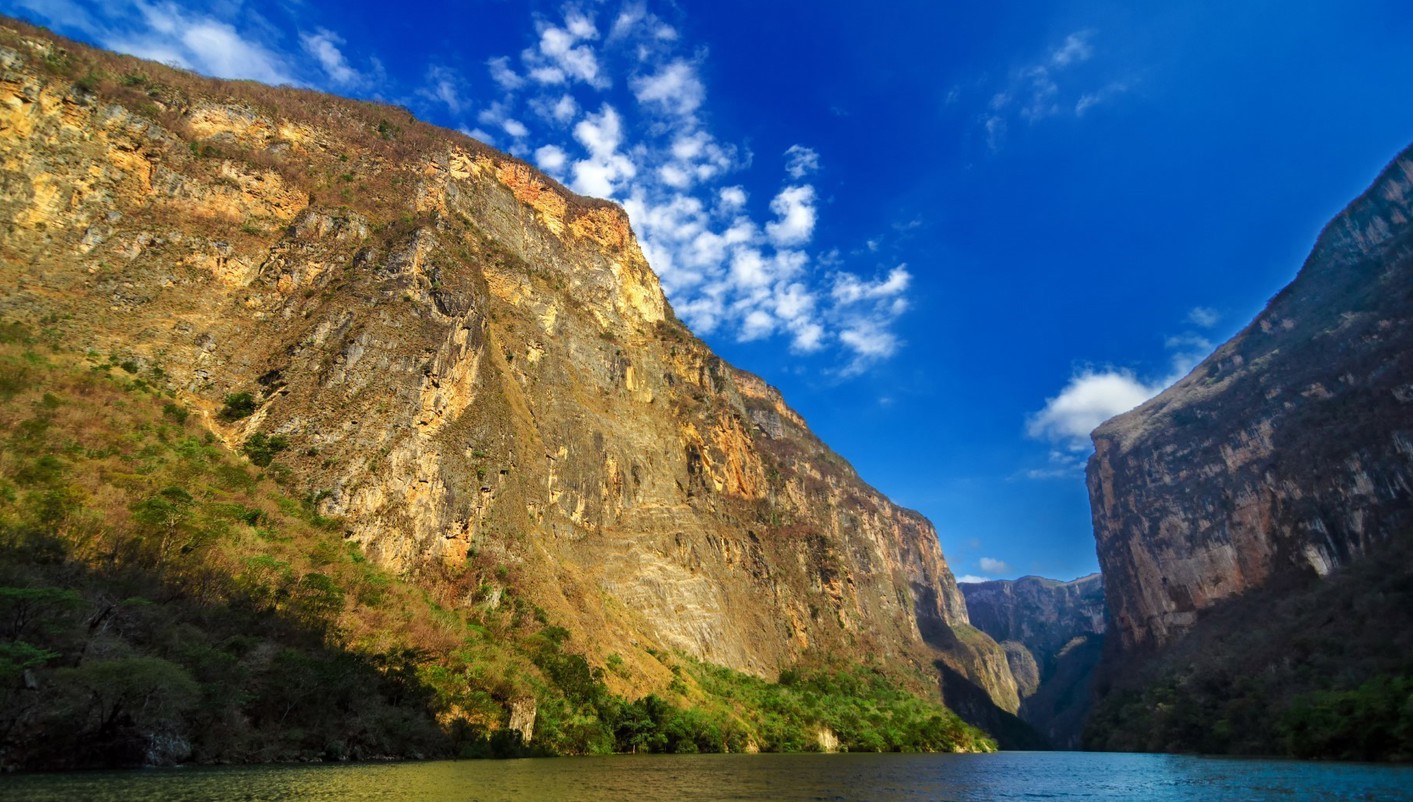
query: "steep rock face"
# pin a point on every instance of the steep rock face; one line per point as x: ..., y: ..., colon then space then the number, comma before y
x: 1053, y: 634
x: 474, y: 368
x: 1288, y: 451
x: 1041, y: 614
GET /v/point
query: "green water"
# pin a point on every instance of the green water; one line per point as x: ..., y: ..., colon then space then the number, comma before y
x: 885, y: 778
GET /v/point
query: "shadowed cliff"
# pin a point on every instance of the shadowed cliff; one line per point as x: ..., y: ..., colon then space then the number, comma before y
x: 1053, y: 634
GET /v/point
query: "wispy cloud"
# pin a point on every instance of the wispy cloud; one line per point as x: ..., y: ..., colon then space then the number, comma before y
x: 1076, y: 48
x: 800, y: 161
x: 1204, y: 317
x: 324, y: 45
x: 445, y: 85
x: 673, y: 87
x: 1102, y: 95
x: 1048, y: 87
x: 201, y: 43
x: 991, y: 565
x: 223, y: 40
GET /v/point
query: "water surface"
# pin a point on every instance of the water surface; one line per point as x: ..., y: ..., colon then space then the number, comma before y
x: 782, y: 778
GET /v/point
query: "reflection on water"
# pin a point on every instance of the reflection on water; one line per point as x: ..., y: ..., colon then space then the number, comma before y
x: 880, y: 778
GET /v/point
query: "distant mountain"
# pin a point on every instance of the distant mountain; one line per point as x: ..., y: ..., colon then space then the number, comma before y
x: 1053, y: 634
x: 1254, y: 520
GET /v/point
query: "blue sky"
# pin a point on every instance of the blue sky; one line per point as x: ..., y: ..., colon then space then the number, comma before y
x: 956, y: 235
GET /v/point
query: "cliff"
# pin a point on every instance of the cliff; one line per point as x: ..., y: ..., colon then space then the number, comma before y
x: 1053, y: 634
x: 1252, y: 521
x: 470, y: 367
x: 1288, y: 450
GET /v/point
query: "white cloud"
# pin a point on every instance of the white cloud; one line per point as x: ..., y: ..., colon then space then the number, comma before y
x: 66, y: 14
x: 551, y: 158
x: 695, y: 157
x: 601, y: 133
x: 1067, y: 467
x: 800, y: 161
x: 869, y: 340
x: 1089, y: 100
x: 674, y: 176
x: 995, y: 127
x: 864, y: 311
x: 992, y: 565
x: 498, y: 115
x: 443, y: 86
x: 757, y: 324
x: 1045, y: 88
x: 629, y: 18
x: 1075, y: 49
x: 795, y: 216
x: 1188, y: 342
x: 603, y: 173
x: 1203, y: 316
x: 580, y: 26
x: 504, y: 76
x: 1093, y: 396
x: 561, y: 110
x: 324, y: 47
x: 201, y: 43
x: 731, y: 198
x: 674, y: 87
x: 224, y: 39
x: 1041, y: 95
x: 562, y: 55
x: 478, y: 134
x: 971, y: 579
x: 849, y: 289
x: 749, y: 269
x: 1089, y: 399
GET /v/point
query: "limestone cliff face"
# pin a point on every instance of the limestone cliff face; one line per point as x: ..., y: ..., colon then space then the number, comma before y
x: 1290, y: 449
x: 1053, y: 634
x: 473, y: 367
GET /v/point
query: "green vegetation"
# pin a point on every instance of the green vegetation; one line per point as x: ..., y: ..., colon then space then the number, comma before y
x: 262, y: 448
x: 162, y: 601
x: 1371, y: 722
x: 237, y: 406
x: 1327, y: 674
x: 862, y: 707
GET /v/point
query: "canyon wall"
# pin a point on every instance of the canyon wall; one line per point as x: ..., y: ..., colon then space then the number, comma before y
x: 471, y: 367
x: 1287, y: 452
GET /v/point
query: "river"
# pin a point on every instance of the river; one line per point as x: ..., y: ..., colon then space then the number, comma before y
x: 779, y: 778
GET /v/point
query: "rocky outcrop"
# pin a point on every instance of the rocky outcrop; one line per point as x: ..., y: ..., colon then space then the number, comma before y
x: 1052, y: 633
x: 1288, y: 451
x: 473, y: 368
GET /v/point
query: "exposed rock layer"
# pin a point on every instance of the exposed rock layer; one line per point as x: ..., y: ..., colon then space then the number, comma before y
x: 1289, y: 450
x: 476, y: 369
